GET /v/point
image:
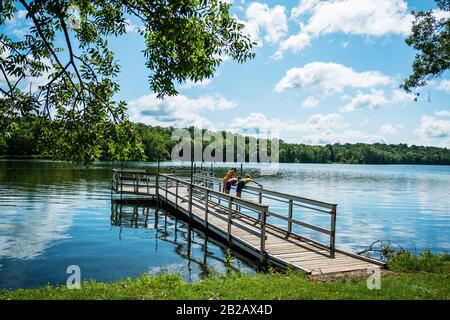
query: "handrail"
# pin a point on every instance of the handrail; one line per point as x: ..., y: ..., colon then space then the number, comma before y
x: 291, y: 201
x: 243, y: 202
x: 141, y: 178
x: 277, y: 193
x: 260, y: 208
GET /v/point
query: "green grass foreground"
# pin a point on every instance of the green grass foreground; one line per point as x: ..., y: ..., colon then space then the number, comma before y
x: 423, y: 277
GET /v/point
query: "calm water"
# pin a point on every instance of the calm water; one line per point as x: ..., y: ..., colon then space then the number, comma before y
x: 53, y: 215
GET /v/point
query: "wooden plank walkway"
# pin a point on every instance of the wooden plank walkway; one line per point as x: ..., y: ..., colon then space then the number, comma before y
x: 213, y: 210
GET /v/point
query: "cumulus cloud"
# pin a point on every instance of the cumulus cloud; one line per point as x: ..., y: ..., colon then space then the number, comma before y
x: 273, y: 21
x: 348, y: 136
x: 374, y: 100
x: 401, y: 96
x: 356, y: 17
x: 177, y: 111
x: 431, y: 127
x: 303, y: 6
x: 310, y: 102
x: 388, y: 129
x: 444, y: 85
x: 317, y: 122
x: 330, y: 77
x: 295, y: 43
x: 443, y: 113
x: 201, y: 84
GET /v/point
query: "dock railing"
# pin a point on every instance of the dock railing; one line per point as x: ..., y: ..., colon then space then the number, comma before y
x: 207, y: 191
x: 136, y: 178
x: 206, y: 197
x: 294, y: 204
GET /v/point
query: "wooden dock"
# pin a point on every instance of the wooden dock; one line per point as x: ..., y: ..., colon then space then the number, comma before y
x: 245, y: 223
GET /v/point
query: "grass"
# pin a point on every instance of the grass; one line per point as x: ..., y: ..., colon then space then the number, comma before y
x: 419, y: 277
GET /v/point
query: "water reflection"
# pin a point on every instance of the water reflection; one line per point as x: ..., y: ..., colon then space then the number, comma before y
x: 199, y: 250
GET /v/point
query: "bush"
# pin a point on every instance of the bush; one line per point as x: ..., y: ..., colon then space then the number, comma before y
x: 405, y: 261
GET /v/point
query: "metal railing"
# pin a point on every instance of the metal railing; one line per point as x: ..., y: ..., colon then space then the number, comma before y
x: 292, y: 203
x: 207, y: 190
x: 137, y: 179
x: 203, y: 197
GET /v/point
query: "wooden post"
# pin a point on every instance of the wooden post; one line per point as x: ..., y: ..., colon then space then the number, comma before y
x: 230, y: 203
x: 291, y: 204
x: 333, y: 232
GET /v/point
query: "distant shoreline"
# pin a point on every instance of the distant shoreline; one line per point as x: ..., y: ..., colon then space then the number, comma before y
x: 39, y: 157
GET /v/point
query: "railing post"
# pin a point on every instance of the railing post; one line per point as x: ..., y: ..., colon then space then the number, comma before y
x: 190, y: 199
x: 263, y: 234
x: 157, y: 186
x: 260, y: 201
x: 166, y: 186
x: 137, y: 183
x: 206, y: 208
x: 333, y: 232
x: 291, y: 204
x: 230, y: 203
x: 176, y: 193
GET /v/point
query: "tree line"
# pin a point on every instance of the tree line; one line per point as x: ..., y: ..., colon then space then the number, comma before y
x: 157, y: 144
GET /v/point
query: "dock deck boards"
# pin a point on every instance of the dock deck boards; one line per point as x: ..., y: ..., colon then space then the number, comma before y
x: 281, y: 248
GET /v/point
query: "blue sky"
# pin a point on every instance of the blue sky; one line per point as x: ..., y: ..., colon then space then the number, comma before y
x: 325, y: 71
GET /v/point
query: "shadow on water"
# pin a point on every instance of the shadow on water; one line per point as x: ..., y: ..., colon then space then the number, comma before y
x: 190, y: 243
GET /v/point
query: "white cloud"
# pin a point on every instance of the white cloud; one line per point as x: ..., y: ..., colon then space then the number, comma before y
x: 443, y: 113
x: 272, y: 20
x: 177, y: 111
x: 303, y: 6
x: 310, y: 102
x: 433, y: 128
x: 356, y: 17
x: 294, y: 43
x: 372, y: 101
x: 388, y: 129
x: 330, y: 77
x: 320, y: 122
x: 201, y: 84
x: 349, y: 136
x: 444, y: 85
x: 259, y: 122
x: 439, y: 14
x: 21, y: 14
x: 401, y: 96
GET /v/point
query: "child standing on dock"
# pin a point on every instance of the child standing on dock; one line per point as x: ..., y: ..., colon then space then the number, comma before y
x: 231, y: 182
x: 243, y: 182
x: 230, y: 174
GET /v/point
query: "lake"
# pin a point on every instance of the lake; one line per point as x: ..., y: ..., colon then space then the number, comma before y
x: 54, y: 214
